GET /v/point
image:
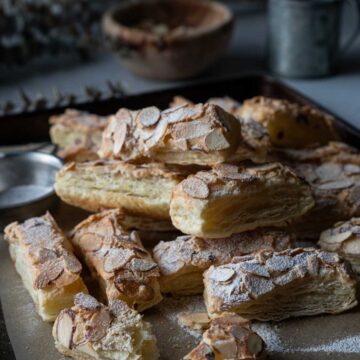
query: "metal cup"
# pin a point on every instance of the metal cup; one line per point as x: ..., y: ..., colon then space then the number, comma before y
x: 304, y: 36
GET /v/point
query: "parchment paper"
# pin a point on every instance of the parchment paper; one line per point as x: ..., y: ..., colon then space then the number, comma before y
x: 297, y: 339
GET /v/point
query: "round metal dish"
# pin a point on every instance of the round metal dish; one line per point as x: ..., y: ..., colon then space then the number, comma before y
x: 27, y: 185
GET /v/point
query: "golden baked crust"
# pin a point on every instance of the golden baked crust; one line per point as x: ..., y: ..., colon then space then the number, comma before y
x: 78, y: 134
x: 230, y: 199
x: 336, y: 189
x: 140, y: 189
x: 289, y: 124
x: 278, y: 285
x: 118, y: 260
x: 43, y: 258
x: 183, y: 260
x: 202, y: 134
x: 344, y: 238
x: 89, y: 330
x: 229, y: 337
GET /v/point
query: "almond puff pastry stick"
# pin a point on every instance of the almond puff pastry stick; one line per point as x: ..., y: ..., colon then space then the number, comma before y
x: 289, y: 124
x: 183, y: 260
x: 91, y: 331
x: 230, y: 199
x: 140, y: 189
x: 344, y: 238
x: 229, y: 337
x: 118, y: 261
x: 78, y: 134
x: 43, y: 258
x: 278, y: 285
x: 202, y: 134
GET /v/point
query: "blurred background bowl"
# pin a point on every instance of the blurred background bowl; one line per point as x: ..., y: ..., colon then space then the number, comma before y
x: 168, y: 39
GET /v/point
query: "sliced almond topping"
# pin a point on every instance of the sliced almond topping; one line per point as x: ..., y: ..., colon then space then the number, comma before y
x: 216, y: 141
x: 72, y: 263
x: 352, y: 169
x: 142, y: 264
x: 328, y: 172
x: 98, y: 325
x: 195, y: 187
x: 226, y: 347
x: 222, y: 274
x: 352, y: 247
x: 336, y: 185
x: 123, y: 115
x: 91, y: 242
x: 196, y: 321
x: 240, y: 332
x: 65, y: 328
x: 79, y: 334
x: 41, y: 255
x: 190, y: 130
x: 158, y: 133
x: 117, y: 258
x: 87, y: 302
x: 149, y: 116
x: 87, y: 349
x: 118, y: 307
x: 254, y: 344
x: 48, y: 272
x: 338, y: 237
x: 182, y: 113
x: 119, y: 137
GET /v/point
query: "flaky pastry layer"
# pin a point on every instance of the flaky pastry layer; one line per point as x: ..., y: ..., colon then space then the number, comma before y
x: 140, y: 189
x: 117, y: 260
x: 278, y: 285
x: 230, y: 199
x: 91, y: 331
x: 43, y: 258
x: 183, y: 260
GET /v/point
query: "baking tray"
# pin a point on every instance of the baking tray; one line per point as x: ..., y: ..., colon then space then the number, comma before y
x: 313, y: 338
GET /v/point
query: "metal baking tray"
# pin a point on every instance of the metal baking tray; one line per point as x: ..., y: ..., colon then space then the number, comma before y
x: 25, y: 337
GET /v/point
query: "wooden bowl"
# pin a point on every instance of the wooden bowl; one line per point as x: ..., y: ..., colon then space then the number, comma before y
x: 168, y: 39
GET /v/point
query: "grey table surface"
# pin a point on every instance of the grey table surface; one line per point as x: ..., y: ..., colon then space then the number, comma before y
x: 340, y: 93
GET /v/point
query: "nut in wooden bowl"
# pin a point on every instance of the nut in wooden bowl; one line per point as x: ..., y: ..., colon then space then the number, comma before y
x: 168, y: 39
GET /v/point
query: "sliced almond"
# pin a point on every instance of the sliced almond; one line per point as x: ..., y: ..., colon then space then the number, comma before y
x: 149, y: 116
x: 336, y: 185
x: 195, y: 187
x: 91, y: 242
x: 87, y: 302
x: 196, y: 321
x: 118, y: 308
x: 226, y: 347
x: 142, y: 265
x: 158, y: 133
x: 79, y: 334
x: 255, y: 344
x: 72, y: 263
x: 87, y: 349
x: 328, y: 172
x: 41, y: 255
x: 117, y: 258
x: 216, y: 141
x: 124, y: 116
x: 352, y: 169
x: 98, y: 325
x: 119, y: 137
x: 352, y: 247
x: 65, y: 328
x: 338, y: 237
x: 48, y: 272
x: 190, y: 130
x: 222, y: 274
x: 182, y: 113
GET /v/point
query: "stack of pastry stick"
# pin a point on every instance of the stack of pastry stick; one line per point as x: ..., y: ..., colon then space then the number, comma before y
x: 225, y: 190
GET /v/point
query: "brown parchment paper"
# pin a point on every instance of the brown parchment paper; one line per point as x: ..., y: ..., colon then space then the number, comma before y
x: 332, y: 337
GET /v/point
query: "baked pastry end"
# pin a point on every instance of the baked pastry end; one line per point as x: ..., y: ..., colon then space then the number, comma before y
x: 89, y: 330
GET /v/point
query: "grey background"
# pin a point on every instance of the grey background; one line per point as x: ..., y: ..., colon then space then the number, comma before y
x: 340, y: 93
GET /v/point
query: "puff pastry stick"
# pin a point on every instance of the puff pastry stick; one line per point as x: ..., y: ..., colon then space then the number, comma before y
x: 344, y: 238
x: 229, y: 337
x: 78, y: 134
x: 89, y: 330
x: 183, y: 260
x: 289, y: 124
x: 201, y: 134
x: 140, y: 189
x: 336, y: 189
x: 43, y: 258
x: 230, y: 199
x: 118, y: 261
x: 278, y: 285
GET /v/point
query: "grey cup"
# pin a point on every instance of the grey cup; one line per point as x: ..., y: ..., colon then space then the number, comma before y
x: 304, y: 36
